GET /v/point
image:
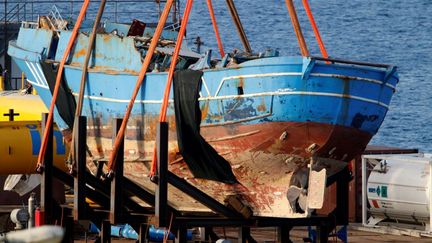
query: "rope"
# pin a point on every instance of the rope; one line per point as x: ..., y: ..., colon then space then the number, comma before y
x: 315, y: 28
x: 146, y: 63
x: 49, y: 122
x: 164, y: 106
x: 215, y: 27
x: 297, y: 28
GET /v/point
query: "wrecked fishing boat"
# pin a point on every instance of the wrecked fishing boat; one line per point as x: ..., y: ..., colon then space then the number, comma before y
x: 258, y: 126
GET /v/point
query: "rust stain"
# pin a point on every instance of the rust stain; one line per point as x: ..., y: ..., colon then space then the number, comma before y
x: 262, y: 107
x: 80, y: 53
x: 241, y: 82
x: 204, y: 110
x: 105, y: 69
x: 106, y: 37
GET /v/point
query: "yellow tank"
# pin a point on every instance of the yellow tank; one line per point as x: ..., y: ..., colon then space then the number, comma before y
x: 29, y: 107
x: 19, y: 147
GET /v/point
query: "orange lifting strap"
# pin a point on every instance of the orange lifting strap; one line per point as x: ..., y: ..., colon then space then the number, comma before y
x: 143, y: 71
x: 216, y: 30
x: 49, y: 122
x: 162, y: 114
x: 315, y: 28
x: 297, y: 29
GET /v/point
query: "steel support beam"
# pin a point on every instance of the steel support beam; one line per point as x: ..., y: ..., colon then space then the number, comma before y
x: 143, y: 230
x: 245, y: 235
x: 80, y: 205
x: 200, y: 196
x: 181, y: 236
x: 117, y: 187
x: 68, y: 224
x: 105, y: 233
x: 283, y: 234
x: 162, y: 173
x: 47, y: 201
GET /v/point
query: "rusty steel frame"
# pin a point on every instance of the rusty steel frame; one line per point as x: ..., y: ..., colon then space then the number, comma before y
x: 126, y: 210
x: 116, y: 195
x: 46, y: 199
x: 80, y: 206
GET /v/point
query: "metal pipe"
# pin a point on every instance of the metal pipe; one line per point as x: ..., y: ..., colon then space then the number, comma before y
x: 239, y: 26
x: 297, y: 28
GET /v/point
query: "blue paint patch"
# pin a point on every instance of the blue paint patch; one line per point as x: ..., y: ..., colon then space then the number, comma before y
x: 60, y: 147
x: 36, y: 141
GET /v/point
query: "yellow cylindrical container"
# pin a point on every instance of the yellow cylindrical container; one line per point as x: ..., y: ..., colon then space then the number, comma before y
x: 20, y: 142
x: 29, y: 107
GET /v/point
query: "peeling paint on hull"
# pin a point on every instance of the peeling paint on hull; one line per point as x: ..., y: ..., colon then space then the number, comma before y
x: 263, y: 158
x: 266, y: 116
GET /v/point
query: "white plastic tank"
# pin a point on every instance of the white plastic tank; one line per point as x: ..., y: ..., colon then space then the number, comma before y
x: 398, y: 188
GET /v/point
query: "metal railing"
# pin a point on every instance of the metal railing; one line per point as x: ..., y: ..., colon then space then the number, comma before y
x: 115, y: 10
x: 13, y: 13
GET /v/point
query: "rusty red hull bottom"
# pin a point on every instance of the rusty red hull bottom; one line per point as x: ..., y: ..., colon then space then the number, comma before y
x: 263, y: 157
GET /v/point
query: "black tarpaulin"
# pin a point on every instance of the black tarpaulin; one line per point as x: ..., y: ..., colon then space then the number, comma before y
x: 203, y: 161
x: 65, y: 102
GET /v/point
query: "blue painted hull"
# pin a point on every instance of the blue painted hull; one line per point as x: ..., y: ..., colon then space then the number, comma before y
x: 268, y: 115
